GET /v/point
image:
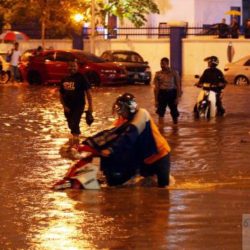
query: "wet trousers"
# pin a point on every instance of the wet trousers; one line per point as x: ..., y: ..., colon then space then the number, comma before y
x: 118, y: 169
x: 220, y: 109
x: 73, y: 119
x: 15, y: 73
x: 167, y: 98
x: 160, y: 168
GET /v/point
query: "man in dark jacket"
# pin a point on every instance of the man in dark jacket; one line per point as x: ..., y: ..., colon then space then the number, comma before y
x: 73, y: 89
x: 139, y: 147
x: 216, y: 78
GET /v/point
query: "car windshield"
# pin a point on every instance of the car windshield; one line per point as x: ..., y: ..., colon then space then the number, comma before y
x: 84, y: 56
x: 127, y: 57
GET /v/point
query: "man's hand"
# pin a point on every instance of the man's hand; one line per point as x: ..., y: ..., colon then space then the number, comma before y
x: 105, y: 152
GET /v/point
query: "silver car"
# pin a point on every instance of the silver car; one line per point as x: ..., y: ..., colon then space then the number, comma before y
x: 137, y: 69
x: 238, y: 72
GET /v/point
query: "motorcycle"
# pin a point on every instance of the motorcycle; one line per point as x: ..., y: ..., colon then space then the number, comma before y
x: 83, y: 173
x: 206, y: 101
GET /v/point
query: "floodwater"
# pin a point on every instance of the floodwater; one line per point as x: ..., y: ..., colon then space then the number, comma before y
x: 210, y: 161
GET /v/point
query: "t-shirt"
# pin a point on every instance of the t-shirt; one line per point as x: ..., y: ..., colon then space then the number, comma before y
x: 73, y: 89
x: 15, y: 57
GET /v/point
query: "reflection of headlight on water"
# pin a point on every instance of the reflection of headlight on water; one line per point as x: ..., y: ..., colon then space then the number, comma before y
x: 63, y: 226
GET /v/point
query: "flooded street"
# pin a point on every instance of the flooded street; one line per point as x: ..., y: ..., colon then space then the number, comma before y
x: 210, y: 162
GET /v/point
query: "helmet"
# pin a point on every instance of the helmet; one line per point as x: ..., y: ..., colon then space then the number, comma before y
x: 125, y: 105
x: 212, y: 60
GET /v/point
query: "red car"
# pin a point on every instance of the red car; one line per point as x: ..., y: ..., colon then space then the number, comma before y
x: 50, y: 66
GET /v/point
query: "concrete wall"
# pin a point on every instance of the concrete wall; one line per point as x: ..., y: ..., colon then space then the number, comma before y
x: 173, y: 10
x: 195, y: 49
x: 195, y: 12
x: 212, y: 11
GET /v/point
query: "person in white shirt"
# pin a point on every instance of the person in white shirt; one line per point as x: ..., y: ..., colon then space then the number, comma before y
x: 15, y: 58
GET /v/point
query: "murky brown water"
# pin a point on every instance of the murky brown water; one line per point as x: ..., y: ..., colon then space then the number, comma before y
x: 210, y: 161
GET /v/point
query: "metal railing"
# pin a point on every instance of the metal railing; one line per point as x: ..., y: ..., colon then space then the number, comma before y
x: 130, y: 32
x: 148, y: 32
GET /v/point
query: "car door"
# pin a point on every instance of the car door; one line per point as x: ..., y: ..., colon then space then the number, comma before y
x: 62, y: 59
x: 49, y: 66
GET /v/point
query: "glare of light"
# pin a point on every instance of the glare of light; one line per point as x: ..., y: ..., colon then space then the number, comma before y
x: 78, y: 17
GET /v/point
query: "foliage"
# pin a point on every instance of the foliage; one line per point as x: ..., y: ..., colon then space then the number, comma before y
x: 134, y: 10
x: 56, y: 15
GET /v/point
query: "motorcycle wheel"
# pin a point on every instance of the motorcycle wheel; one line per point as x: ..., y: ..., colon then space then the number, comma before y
x: 208, y: 112
x: 4, y: 77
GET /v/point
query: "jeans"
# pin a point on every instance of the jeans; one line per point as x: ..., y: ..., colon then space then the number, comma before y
x: 15, y: 73
x: 73, y: 119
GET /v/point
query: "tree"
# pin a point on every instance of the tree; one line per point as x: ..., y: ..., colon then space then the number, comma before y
x: 135, y: 11
x: 54, y: 15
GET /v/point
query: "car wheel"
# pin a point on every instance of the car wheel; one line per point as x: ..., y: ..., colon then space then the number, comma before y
x: 147, y: 82
x: 241, y: 81
x: 93, y: 78
x: 4, y: 77
x: 34, y: 78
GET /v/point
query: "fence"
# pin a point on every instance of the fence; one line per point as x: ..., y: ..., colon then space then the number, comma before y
x: 162, y: 31
x: 149, y: 32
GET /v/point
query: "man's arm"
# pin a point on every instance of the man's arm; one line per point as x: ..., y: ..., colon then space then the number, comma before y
x: 124, y: 142
x: 156, y: 89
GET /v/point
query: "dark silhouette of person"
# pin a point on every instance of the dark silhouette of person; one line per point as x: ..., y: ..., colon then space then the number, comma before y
x: 234, y: 28
x: 247, y: 29
x: 223, y: 29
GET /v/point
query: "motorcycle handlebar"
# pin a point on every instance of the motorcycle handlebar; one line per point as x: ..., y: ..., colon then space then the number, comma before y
x: 209, y: 85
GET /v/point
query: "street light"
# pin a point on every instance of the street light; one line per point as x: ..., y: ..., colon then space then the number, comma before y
x: 78, y: 39
x: 78, y: 17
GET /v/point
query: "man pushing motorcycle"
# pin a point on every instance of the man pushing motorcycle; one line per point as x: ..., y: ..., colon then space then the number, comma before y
x: 214, y: 76
x: 134, y: 146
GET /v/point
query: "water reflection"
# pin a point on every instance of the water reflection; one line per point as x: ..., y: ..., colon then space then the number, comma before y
x: 210, y: 162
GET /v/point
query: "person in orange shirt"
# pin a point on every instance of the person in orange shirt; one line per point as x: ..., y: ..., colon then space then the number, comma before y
x: 140, y: 147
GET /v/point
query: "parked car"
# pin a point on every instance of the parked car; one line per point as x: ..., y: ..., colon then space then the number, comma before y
x: 50, y: 66
x: 4, y: 68
x: 238, y: 72
x: 138, y: 70
x: 25, y: 59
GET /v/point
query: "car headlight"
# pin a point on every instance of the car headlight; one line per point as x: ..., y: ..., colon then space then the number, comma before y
x: 148, y: 69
